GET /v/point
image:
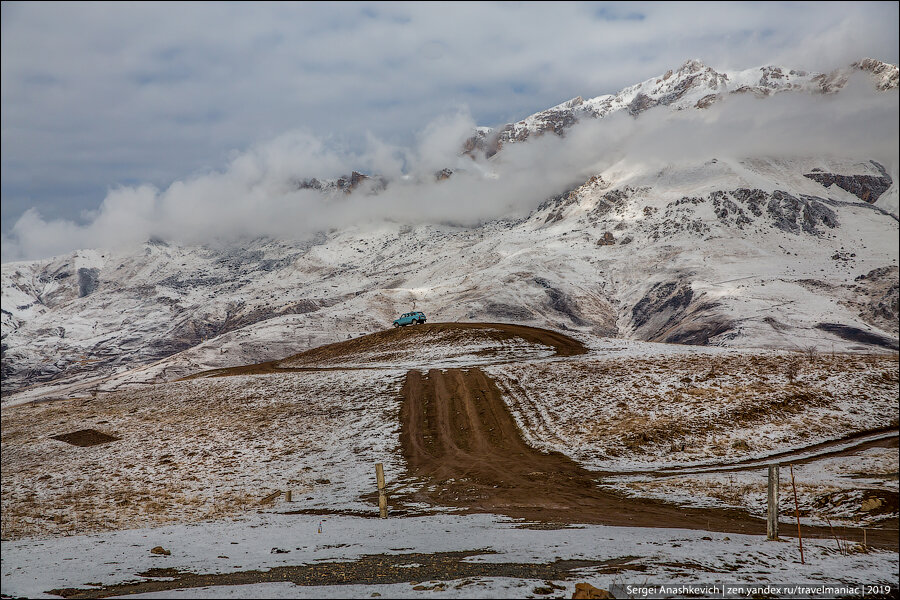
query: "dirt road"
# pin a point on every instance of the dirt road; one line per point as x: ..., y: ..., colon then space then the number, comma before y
x: 457, y: 432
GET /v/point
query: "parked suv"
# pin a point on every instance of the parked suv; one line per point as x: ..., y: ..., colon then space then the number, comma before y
x: 412, y: 318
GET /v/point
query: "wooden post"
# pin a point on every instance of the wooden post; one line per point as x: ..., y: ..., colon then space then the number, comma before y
x: 382, y: 496
x: 287, y: 496
x: 797, y: 512
x: 772, y: 521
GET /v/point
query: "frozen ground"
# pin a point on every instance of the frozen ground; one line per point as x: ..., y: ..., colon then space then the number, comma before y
x: 429, y: 349
x: 32, y: 567
x: 628, y: 412
x: 200, y: 468
x: 858, y: 490
x: 213, y: 447
x: 198, y: 449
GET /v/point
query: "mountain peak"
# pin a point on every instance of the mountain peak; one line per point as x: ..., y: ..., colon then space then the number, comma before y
x: 692, y: 85
x: 692, y: 65
x: 886, y: 75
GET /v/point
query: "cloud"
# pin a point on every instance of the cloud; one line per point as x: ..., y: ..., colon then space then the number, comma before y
x: 100, y: 95
x: 257, y: 194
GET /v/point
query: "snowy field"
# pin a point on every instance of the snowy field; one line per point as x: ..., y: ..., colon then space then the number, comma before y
x: 858, y: 490
x: 614, y: 555
x: 630, y: 413
x: 625, y: 413
x: 200, y: 468
x: 198, y: 449
x: 208, y: 448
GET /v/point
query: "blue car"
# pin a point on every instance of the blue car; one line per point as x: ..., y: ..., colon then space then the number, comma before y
x: 412, y: 318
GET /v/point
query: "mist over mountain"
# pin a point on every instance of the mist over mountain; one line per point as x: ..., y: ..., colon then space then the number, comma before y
x: 754, y: 208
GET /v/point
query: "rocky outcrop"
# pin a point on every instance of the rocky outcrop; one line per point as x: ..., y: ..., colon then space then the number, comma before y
x: 867, y: 188
x: 560, y: 302
x: 671, y: 312
x: 344, y: 184
x: 856, y: 334
x: 886, y: 75
x: 88, y: 280
x: 876, y: 297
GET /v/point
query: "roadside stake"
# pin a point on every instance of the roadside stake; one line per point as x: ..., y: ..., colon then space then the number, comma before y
x: 797, y: 512
x: 382, y: 496
x: 772, y: 501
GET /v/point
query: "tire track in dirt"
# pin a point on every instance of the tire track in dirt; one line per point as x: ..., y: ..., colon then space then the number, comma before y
x: 457, y: 432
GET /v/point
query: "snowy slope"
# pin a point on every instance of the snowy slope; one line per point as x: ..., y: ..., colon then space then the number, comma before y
x: 757, y: 252
x: 693, y: 85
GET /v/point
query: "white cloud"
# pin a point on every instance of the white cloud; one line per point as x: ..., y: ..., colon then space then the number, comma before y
x: 257, y: 195
x: 98, y: 95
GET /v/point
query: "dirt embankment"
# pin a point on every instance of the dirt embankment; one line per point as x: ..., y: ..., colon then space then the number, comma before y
x: 563, y: 345
x: 457, y: 432
x: 359, y: 349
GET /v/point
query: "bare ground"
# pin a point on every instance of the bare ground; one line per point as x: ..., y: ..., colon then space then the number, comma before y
x: 457, y: 432
x: 461, y: 444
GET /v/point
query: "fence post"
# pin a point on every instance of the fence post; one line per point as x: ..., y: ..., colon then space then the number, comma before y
x: 772, y: 521
x: 382, y: 496
x: 797, y: 512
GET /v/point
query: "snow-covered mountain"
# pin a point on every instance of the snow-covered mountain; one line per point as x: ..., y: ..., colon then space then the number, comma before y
x: 693, y: 85
x: 789, y: 252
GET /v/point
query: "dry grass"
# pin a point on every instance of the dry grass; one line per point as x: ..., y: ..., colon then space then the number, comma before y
x: 828, y: 490
x: 188, y: 451
x: 683, y: 408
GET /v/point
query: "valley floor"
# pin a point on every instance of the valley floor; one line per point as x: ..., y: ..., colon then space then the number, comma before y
x: 569, y: 449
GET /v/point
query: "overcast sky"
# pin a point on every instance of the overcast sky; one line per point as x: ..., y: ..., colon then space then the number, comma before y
x: 100, y: 96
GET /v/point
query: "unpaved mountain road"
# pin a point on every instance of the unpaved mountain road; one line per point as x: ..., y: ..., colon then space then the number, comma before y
x: 457, y: 432
x: 458, y: 435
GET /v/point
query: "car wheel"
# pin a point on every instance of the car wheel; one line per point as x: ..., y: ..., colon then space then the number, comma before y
x: 396, y: 325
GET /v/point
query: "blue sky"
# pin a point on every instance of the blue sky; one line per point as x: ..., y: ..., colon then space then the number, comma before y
x: 99, y: 96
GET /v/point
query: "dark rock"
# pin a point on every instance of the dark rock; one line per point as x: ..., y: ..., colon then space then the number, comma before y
x: 507, y: 311
x: 706, y: 101
x: 640, y: 103
x: 88, y: 280
x: 560, y: 302
x: 669, y: 296
x: 858, y: 335
x: 790, y: 213
x: 698, y: 334
x: 867, y: 188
